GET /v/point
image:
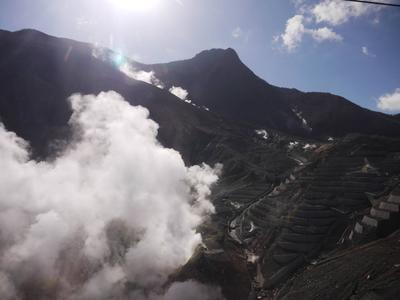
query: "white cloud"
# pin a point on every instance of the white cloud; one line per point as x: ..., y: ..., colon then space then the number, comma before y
x: 237, y: 33
x: 366, y: 52
x: 297, y: 3
x: 390, y: 101
x: 325, y: 34
x: 336, y: 12
x: 114, y: 207
x: 332, y: 12
x: 295, y: 31
x: 179, y: 92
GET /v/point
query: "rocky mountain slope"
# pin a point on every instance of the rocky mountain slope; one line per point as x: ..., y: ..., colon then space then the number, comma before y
x: 289, y: 200
x: 39, y: 72
x: 219, y: 80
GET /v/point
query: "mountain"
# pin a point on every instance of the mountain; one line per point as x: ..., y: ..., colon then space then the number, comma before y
x: 288, y: 201
x: 219, y: 80
x: 39, y: 72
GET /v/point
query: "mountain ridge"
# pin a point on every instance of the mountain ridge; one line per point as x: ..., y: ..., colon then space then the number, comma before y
x: 219, y: 75
x: 219, y: 80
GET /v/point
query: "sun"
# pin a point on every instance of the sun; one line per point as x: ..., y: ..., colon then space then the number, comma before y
x: 136, y: 5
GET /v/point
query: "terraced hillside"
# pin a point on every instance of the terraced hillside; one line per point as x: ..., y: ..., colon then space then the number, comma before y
x: 369, y: 271
x: 276, y: 227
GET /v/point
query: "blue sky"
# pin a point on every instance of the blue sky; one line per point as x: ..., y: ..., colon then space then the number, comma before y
x: 319, y: 45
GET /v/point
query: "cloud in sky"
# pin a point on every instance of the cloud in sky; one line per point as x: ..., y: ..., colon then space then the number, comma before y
x: 240, y: 34
x: 295, y: 31
x: 390, y: 101
x: 366, y: 51
x: 325, y: 34
x: 115, y: 207
x: 308, y: 20
x: 336, y: 12
x: 237, y: 32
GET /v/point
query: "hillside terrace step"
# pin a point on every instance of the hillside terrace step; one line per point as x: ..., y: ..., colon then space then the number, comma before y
x: 283, y: 273
x: 328, y: 183
x: 347, y: 183
x: 265, y: 204
x: 344, y: 164
x: 326, y: 169
x: 365, y: 185
x: 306, y: 179
x: 363, y: 175
x: 343, y: 161
x: 284, y: 259
x: 372, y: 153
x: 328, y: 174
x: 308, y: 229
x: 320, y: 201
x: 302, y: 238
x: 310, y: 195
x: 350, y: 204
x: 250, y: 193
x: 316, y: 214
x: 370, y: 221
x: 394, y: 199
x: 318, y: 188
x: 382, y: 214
x: 358, y: 228
x: 355, y: 195
x: 338, y: 189
x: 261, y: 213
x: 366, y: 180
x: 336, y: 166
x: 306, y: 207
x: 310, y: 221
x: 388, y: 206
x: 264, y: 222
x: 297, y: 247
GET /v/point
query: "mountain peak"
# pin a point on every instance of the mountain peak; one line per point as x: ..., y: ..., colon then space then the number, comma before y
x: 31, y: 32
x: 218, y: 53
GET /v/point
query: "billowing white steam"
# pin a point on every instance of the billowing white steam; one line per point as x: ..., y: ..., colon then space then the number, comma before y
x: 110, y: 218
x: 125, y: 66
x: 148, y: 77
x: 179, y: 92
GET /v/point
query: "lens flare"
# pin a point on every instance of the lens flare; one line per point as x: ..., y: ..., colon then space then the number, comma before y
x: 136, y: 5
x: 118, y: 59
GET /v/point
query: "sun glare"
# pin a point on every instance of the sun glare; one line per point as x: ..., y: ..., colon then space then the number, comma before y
x: 136, y: 5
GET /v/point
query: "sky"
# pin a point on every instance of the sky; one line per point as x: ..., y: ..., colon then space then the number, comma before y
x: 334, y: 46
